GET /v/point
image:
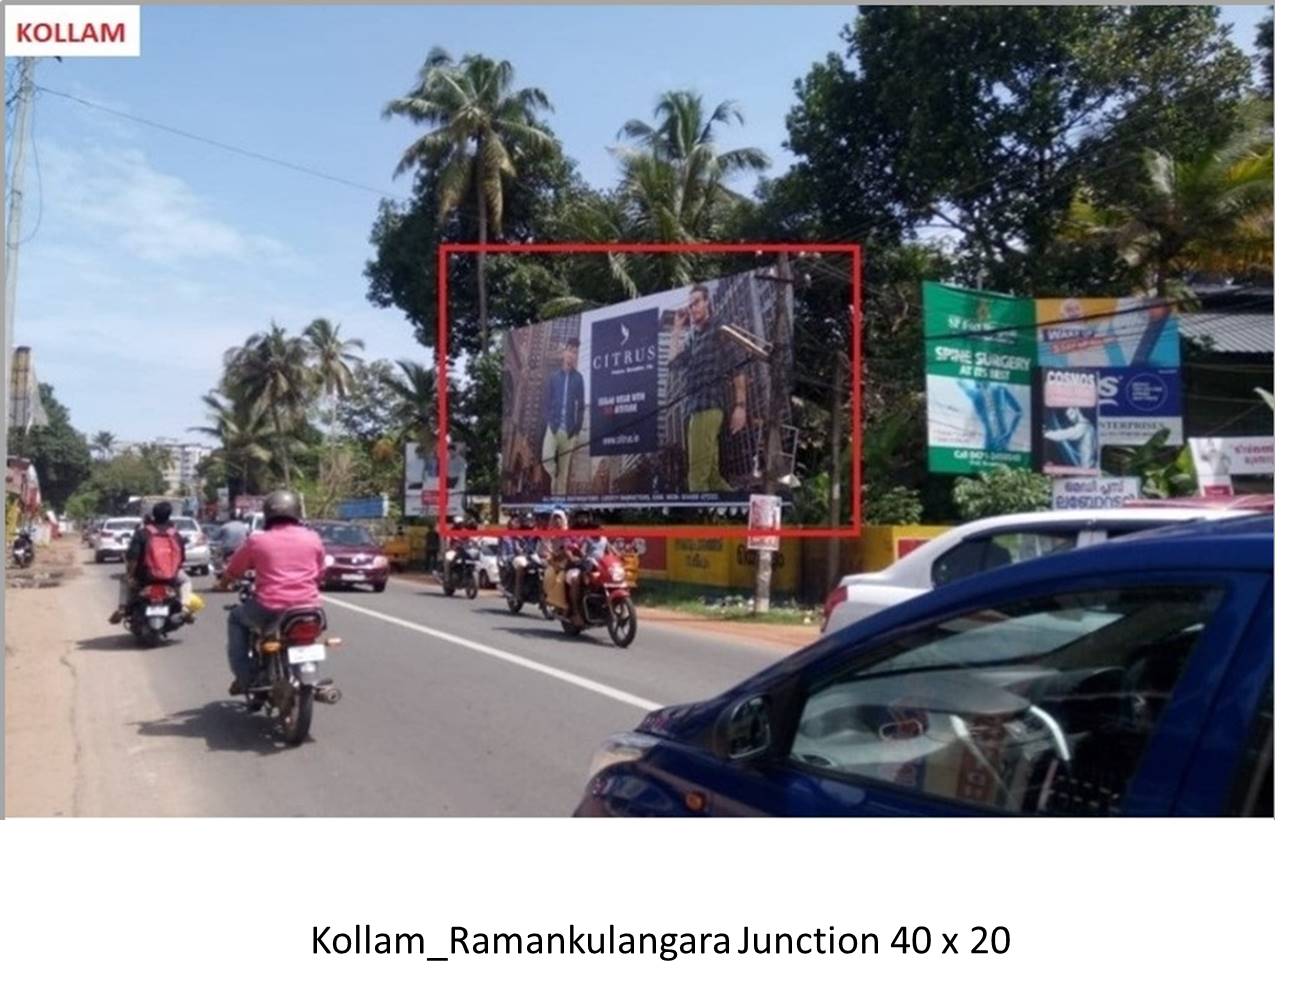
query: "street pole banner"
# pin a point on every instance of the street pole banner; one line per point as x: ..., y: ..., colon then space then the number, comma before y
x: 664, y: 400
x: 1219, y: 459
x: 1093, y: 493
x: 1136, y: 403
x: 1107, y: 333
x: 980, y: 349
x: 422, y: 481
x: 763, y: 514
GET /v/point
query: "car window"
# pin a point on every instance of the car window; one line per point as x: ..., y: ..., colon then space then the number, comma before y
x: 120, y: 524
x: 186, y: 525
x: 347, y: 536
x: 1254, y: 790
x: 1044, y: 706
x: 992, y: 550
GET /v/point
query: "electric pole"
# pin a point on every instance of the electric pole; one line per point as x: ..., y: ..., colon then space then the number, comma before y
x: 835, y: 470
x: 13, y: 231
x: 780, y: 337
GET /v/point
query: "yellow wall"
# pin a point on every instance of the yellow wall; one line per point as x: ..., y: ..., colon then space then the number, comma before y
x: 726, y: 563
x: 879, y: 543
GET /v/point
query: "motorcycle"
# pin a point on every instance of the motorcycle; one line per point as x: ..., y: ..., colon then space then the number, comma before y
x: 461, y: 571
x: 528, y: 588
x: 603, y: 598
x: 155, y: 611
x: 286, y: 660
x: 24, y: 552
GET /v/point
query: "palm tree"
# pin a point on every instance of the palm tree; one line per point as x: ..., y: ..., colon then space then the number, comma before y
x: 245, y: 435
x: 103, y: 443
x: 416, y: 409
x: 272, y: 373
x: 1212, y: 213
x: 479, y: 125
x: 676, y: 180
x: 333, y: 359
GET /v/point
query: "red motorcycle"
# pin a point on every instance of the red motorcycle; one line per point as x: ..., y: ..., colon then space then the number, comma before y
x: 603, y: 598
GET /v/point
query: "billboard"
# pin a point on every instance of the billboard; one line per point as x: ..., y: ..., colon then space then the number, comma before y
x: 980, y: 349
x: 1070, y: 436
x: 664, y: 400
x: 1219, y: 459
x: 421, y: 490
x: 1135, y: 403
x: 1107, y: 333
x: 1093, y: 493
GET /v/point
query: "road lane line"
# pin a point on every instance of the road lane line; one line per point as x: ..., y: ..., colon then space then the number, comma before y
x: 519, y: 661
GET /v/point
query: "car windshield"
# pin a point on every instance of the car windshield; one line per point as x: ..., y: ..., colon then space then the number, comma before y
x: 119, y: 524
x: 347, y: 536
x: 185, y: 524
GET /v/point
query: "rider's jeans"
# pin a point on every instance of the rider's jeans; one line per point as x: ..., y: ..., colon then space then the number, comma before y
x: 238, y: 635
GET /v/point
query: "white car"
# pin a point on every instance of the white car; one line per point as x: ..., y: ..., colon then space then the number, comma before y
x: 198, y: 552
x: 489, y: 562
x: 986, y: 544
x: 113, y: 537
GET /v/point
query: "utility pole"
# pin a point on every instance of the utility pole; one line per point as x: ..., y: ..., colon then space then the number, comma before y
x: 13, y: 232
x: 780, y: 336
x: 835, y: 478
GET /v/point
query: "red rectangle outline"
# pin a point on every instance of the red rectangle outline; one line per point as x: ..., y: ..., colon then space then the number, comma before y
x: 853, y: 251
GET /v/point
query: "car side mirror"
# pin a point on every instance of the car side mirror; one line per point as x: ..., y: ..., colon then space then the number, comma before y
x: 745, y: 730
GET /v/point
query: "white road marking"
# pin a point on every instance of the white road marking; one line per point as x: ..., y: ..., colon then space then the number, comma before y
x: 583, y: 682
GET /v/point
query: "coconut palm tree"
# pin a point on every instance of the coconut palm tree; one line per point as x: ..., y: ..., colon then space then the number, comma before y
x: 332, y: 361
x: 272, y: 373
x: 245, y: 435
x: 102, y: 443
x: 1213, y: 213
x: 675, y: 180
x: 479, y: 125
x: 416, y: 409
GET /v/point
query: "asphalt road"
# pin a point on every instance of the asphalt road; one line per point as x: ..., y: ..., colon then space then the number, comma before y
x: 449, y: 707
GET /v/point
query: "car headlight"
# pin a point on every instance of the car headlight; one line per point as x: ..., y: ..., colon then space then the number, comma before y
x: 329, y: 560
x: 625, y: 747
x: 380, y: 561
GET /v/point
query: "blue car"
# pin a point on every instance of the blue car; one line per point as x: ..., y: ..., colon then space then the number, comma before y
x: 1134, y: 678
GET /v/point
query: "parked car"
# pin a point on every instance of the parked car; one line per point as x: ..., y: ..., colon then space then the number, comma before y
x: 1131, y: 678
x: 352, y: 556
x: 113, y: 537
x: 986, y: 544
x: 198, y: 549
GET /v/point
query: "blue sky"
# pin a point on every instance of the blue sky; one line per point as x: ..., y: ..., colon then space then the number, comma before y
x: 153, y: 254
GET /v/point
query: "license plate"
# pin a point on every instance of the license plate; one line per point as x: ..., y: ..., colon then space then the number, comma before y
x: 306, y: 654
x: 153, y: 610
x: 353, y: 577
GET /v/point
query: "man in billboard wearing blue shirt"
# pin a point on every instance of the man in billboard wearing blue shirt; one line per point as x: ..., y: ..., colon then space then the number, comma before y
x: 565, y: 410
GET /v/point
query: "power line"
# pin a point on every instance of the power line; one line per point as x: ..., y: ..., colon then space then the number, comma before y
x: 234, y: 149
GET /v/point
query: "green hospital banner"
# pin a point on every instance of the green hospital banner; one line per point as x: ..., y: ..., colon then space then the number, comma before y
x: 979, y: 381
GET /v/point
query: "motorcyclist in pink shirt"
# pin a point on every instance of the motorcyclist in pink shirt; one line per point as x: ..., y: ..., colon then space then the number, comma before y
x: 288, y: 559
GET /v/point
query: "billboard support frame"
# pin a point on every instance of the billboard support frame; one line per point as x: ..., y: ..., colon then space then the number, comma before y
x: 854, y: 255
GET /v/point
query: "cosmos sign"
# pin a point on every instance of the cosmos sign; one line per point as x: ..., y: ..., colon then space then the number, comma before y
x: 1135, y: 403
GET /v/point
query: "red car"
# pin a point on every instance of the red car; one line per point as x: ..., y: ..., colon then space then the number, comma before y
x: 351, y: 556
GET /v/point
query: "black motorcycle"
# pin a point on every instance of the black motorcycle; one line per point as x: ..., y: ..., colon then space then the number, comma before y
x: 461, y: 571
x: 286, y: 664
x: 155, y: 612
x: 528, y: 587
x: 23, y: 551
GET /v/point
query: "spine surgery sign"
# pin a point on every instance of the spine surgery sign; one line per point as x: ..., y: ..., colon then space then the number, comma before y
x: 980, y: 350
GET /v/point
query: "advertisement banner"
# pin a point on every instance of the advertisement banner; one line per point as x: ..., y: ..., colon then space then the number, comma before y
x: 979, y: 354
x: 1093, y: 493
x: 1218, y: 459
x: 763, y: 514
x: 1107, y: 333
x: 1135, y: 403
x: 422, y: 477
x: 663, y: 400
x: 1070, y: 442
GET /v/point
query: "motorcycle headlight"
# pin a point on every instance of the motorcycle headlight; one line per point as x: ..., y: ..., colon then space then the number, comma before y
x: 329, y: 560
x: 617, y: 572
x: 450, y: 554
x: 625, y: 747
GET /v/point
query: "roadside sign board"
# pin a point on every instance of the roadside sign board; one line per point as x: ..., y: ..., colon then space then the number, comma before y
x: 763, y: 514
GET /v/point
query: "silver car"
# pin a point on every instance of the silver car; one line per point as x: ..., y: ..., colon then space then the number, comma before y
x: 113, y: 537
x: 198, y: 550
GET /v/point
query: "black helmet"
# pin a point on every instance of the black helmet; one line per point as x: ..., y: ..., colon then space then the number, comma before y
x: 282, y: 504
x: 162, y: 512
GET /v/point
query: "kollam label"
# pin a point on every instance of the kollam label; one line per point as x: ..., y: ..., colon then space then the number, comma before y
x: 72, y: 31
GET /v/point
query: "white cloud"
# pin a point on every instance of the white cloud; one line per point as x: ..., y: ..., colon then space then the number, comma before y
x: 159, y: 218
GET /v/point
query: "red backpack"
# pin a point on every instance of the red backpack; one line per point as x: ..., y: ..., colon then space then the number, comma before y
x: 163, y: 555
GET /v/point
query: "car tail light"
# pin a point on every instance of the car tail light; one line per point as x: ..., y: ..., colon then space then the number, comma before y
x: 302, y: 632
x: 835, y: 599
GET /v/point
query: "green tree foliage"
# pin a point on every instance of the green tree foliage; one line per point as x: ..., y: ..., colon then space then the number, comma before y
x: 896, y: 506
x: 113, y: 482
x: 60, y: 454
x: 1000, y: 491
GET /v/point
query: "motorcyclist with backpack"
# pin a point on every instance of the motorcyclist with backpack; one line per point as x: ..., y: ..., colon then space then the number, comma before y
x: 156, y: 555
x: 288, y: 559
